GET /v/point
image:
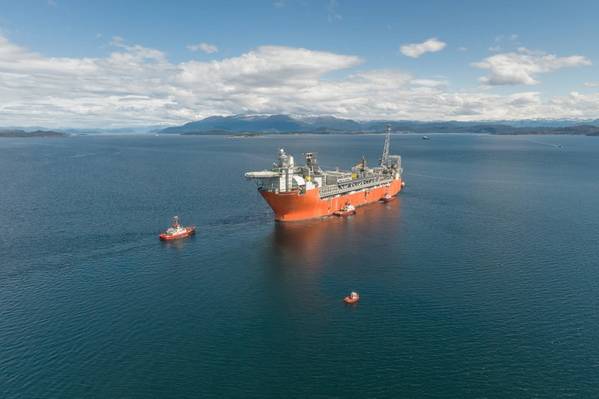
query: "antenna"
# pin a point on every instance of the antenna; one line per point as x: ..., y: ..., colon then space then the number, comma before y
x: 385, y: 156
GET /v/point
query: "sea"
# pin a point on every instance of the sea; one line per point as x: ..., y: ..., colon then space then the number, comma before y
x: 481, y: 280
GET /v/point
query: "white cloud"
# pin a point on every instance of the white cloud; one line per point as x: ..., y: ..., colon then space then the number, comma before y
x: 136, y: 85
x: 522, y: 66
x: 204, y: 47
x: 415, y: 50
x: 591, y: 84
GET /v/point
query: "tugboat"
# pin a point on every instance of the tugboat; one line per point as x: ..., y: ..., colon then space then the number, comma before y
x: 176, y: 231
x: 352, y: 298
x: 347, y: 210
x: 387, y: 197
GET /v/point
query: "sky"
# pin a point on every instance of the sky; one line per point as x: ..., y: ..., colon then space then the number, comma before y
x: 140, y: 63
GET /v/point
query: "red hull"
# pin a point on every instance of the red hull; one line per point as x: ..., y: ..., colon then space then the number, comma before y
x: 294, y: 206
x: 189, y: 231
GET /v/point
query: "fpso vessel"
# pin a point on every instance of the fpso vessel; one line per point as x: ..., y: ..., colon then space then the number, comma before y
x: 305, y: 192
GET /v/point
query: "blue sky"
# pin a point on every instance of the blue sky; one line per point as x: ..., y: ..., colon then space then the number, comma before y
x: 485, y: 60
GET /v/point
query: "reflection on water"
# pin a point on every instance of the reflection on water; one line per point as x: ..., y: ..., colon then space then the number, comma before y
x: 302, y: 257
x: 177, y: 244
x: 308, y: 244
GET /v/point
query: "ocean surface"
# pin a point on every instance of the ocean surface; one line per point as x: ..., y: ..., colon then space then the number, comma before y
x: 480, y: 281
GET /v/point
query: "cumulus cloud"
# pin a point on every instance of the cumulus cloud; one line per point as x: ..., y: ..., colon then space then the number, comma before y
x: 415, y: 50
x: 136, y: 85
x: 203, y: 47
x: 522, y: 66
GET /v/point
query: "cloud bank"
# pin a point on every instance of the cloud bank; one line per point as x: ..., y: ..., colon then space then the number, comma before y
x: 135, y: 85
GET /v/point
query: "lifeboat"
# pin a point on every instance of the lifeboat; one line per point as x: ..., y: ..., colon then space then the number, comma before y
x: 387, y: 197
x: 352, y: 298
x: 347, y: 210
x: 176, y: 231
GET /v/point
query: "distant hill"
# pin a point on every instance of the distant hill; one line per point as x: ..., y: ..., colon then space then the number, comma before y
x: 38, y: 131
x: 116, y: 131
x: 236, y: 124
x: 265, y: 124
x: 35, y: 133
x: 588, y: 130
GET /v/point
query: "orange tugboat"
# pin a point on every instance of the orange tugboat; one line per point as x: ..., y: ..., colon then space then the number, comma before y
x: 347, y: 210
x: 305, y: 192
x: 352, y: 298
x: 176, y: 231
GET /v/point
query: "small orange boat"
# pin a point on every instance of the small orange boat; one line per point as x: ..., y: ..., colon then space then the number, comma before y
x: 352, y: 298
x: 176, y: 231
x: 347, y: 210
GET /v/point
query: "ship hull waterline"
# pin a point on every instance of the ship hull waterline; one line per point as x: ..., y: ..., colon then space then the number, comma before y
x: 295, y: 206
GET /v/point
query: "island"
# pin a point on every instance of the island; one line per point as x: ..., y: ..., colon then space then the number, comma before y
x: 36, y: 133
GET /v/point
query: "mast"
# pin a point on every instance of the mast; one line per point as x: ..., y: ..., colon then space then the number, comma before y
x: 385, y: 156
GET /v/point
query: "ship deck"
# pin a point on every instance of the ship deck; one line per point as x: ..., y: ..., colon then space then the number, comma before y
x: 354, y: 185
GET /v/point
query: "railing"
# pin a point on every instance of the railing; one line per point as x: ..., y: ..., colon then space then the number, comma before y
x: 328, y: 191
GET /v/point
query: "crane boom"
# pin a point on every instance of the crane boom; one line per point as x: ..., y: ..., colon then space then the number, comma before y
x: 385, y: 156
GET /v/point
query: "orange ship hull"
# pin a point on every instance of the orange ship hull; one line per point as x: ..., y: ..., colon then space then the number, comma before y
x: 294, y: 206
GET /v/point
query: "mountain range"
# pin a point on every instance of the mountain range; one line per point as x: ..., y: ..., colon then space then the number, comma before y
x: 237, y: 124
x: 286, y: 124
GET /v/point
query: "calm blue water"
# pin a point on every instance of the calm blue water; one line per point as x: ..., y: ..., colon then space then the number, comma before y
x: 482, y: 280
